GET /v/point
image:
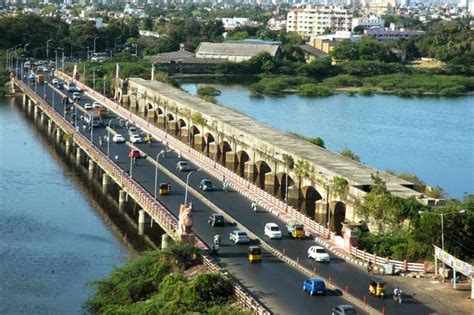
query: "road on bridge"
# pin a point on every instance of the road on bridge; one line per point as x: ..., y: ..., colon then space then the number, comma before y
x: 278, y: 285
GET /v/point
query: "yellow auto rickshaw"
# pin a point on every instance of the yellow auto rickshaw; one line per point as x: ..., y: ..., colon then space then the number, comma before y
x: 165, y: 188
x: 147, y: 139
x: 255, y: 254
x: 377, y: 286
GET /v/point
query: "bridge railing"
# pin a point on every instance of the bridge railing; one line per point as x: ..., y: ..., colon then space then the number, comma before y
x: 159, y: 213
x: 382, y: 261
x: 264, y: 199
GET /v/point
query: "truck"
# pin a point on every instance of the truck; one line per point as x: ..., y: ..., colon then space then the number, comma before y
x: 40, y: 79
x: 295, y: 230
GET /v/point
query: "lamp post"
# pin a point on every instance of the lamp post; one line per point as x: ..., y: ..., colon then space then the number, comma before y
x: 442, y: 229
x: 56, y: 59
x: 156, y: 170
x: 187, y: 184
x: 131, y: 165
x: 47, y: 49
x: 94, y: 42
x: 108, y: 138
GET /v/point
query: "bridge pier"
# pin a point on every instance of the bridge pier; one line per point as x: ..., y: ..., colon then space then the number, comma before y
x: 198, y: 143
x: 320, y: 211
x: 184, y: 134
x: 213, y: 150
x: 161, y: 121
x: 68, y: 147
x: 25, y: 101
x: 58, y: 135
x: 105, y: 183
x: 249, y: 171
x: 36, y: 111
x: 123, y: 200
x: 141, y: 222
x: 30, y: 106
x: 230, y: 160
x: 78, y: 155
x: 50, y: 126
x: 42, y: 118
x: 165, y: 241
x: 270, y: 183
x: 91, y: 168
x: 171, y: 127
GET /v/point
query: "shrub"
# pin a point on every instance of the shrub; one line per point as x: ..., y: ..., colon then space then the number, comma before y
x: 310, y: 89
x: 366, y: 91
x: 342, y: 80
x: 453, y: 91
x: 208, y: 91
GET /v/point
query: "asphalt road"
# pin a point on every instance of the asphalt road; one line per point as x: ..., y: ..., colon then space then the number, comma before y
x: 278, y: 285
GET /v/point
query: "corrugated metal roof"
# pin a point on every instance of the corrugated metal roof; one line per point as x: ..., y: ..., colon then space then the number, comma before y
x: 235, y: 49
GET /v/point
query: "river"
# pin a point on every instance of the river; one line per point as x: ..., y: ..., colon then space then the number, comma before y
x: 53, y: 235
x: 430, y: 137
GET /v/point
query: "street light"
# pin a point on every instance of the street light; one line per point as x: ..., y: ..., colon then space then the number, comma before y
x: 47, y: 49
x: 187, y: 183
x: 442, y: 221
x: 156, y: 169
x: 108, y: 138
x: 442, y: 225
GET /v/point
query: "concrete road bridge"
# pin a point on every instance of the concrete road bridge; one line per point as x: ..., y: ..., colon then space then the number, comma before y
x: 257, y: 152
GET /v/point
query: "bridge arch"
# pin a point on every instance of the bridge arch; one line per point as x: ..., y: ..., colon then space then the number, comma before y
x: 281, y: 179
x: 338, y: 216
x: 241, y: 158
x: 209, y: 141
x: 262, y: 169
x: 224, y: 147
x: 309, y: 196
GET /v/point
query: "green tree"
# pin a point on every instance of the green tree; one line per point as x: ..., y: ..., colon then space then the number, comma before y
x: 346, y: 152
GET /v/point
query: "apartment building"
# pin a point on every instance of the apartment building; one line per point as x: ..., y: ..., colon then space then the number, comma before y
x: 368, y: 22
x: 316, y: 20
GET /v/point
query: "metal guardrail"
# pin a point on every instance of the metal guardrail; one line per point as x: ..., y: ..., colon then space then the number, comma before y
x: 155, y: 209
x: 381, y: 261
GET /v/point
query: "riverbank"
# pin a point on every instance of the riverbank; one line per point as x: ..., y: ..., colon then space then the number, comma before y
x: 403, y: 85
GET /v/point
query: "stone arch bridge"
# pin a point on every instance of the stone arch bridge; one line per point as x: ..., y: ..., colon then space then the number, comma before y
x: 256, y: 152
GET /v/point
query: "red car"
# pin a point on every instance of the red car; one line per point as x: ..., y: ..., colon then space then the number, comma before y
x: 134, y: 154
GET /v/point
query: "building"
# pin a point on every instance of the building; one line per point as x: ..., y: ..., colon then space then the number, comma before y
x: 237, y: 51
x: 381, y: 7
x: 232, y: 23
x: 385, y: 33
x: 326, y: 43
x: 310, y: 21
x: 368, y: 22
x: 311, y: 53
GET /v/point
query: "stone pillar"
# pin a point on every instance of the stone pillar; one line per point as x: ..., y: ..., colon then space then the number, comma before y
x: 30, y: 105
x: 151, y: 114
x: 68, y: 147
x: 91, y: 167
x: 78, y: 155
x: 50, y: 126
x: 25, y: 100
x: 183, y: 134
x: 320, y: 211
x: 165, y: 241
x: 58, y: 135
x: 172, y: 127
x: 213, y: 151
x: 198, y: 142
x: 293, y: 192
x: 141, y: 222
x: 161, y: 121
x: 271, y: 183
x: 36, y: 111
x: 42, y: 118
x: 249, y: 171
x: 105, y: 183
x: 230, y: 160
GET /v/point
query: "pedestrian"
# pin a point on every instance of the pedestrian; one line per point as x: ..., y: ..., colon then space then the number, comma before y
x: 116, y: 158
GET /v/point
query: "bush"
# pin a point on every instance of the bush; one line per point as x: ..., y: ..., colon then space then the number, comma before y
x: 453, y: 91
x: 277, y: 85
x: 208, y: 91
x: 366, y: 91
x: 342, y: 80
x: 310, y: 89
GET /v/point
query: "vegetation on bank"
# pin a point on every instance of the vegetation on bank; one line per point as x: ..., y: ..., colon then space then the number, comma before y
x: 163, y: 282
x: 4, y: 74
x: 208, y: 91
x: 398, y: 230
x: 316, y: 141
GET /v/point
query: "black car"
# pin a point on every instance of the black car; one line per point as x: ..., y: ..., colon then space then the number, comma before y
x: 216, y: 219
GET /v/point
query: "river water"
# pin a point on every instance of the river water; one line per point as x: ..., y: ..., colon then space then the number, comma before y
x: 53, y: 236
x: 430, y: 137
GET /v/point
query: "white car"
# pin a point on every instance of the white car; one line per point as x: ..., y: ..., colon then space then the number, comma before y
x: 318, y: 254
x: 239, y: 237
x: 54, y: 81
x: 272, y: 230
x: 76, y: 96
x: 182, y: 166
x: 135, y: 138
x: 96, y: 104
x: 118, y: 138
x: 87, y: 106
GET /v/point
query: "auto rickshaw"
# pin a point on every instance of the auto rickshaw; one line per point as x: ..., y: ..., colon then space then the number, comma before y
x: 147, y: 139
x: 165, y: 188
x: 377, y: 286
x: 255, y: 254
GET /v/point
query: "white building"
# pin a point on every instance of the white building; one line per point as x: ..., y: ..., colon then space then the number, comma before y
x: 233, y: 23
x: 311, y: 21
x: 390, y: 33
x: 368, y: 22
